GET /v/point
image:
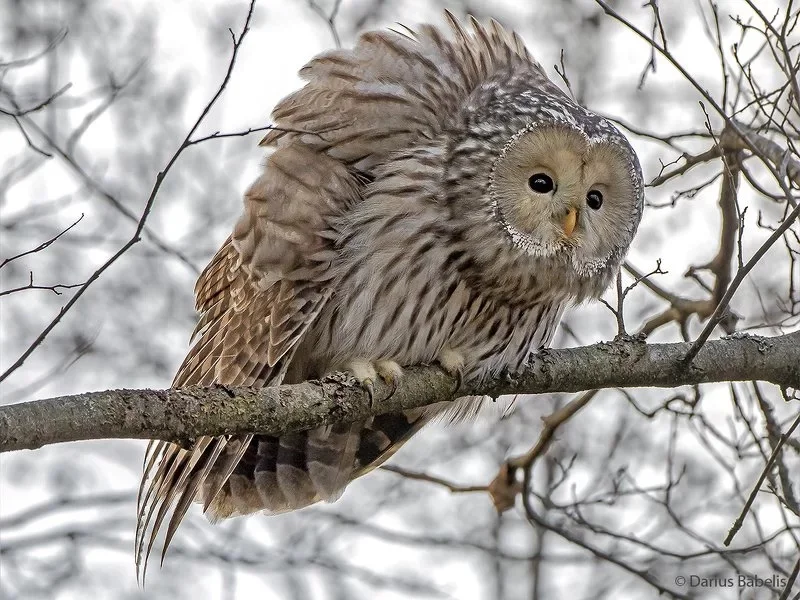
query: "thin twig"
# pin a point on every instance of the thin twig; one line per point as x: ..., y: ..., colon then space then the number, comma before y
x: 218, y: 135
x: 23, y: 62
x: 32, y: 286
x: 550, y: 424
x: 737, y: 525
x: 416, y: 476
x: 719, y: 312
x: 41, y: 246
x: 330, y: 19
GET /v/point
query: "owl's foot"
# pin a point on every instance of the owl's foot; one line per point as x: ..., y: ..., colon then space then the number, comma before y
x: 367, y: 371
x: 453, y: 362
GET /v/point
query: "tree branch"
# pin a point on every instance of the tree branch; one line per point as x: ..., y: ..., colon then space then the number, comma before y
x: 183, y: 414
x: 778, y: 156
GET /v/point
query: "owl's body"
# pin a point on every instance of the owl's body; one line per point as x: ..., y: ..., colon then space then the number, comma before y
x: 428, y: 200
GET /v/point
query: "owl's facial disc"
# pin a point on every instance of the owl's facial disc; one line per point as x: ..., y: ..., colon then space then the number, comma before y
x: 557, y: 193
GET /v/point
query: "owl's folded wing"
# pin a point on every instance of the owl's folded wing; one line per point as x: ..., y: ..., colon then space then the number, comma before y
x: 257, y: 297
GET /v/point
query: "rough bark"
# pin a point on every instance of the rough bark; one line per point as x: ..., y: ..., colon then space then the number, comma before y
x: 183, y: 414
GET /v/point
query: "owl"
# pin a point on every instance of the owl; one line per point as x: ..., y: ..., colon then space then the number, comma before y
x: 430, y: 197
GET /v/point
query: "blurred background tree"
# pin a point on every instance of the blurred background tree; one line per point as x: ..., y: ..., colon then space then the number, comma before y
x: 638, y: 489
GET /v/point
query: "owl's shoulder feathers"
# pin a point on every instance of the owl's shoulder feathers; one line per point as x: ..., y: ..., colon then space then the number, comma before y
x: 391, y: 89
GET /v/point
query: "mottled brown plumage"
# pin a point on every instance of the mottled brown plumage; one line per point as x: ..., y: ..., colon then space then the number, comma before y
x: 431, y: 197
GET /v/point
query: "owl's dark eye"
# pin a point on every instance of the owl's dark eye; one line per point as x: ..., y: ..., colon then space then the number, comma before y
x: 541, y: 183
x: 594, y: 199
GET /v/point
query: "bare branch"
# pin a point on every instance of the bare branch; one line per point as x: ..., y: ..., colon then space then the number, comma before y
x: 23, y: 62
x: 453, y: 487
x: 21, y: 112
x: 790, y: 583
x: 32, y: 286
x: 41, y: 246
x: 551, y: 424
x: 775, y: 453
x: 562, y: 72
x: 689, y: 162
x: 182, y: 414
x: 217, y: 135
x: 719, y: 313
x: 330, y: 19
x: 730, y: 122
x: 778, y: 156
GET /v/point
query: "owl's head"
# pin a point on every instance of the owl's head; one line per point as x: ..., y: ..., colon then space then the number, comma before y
x: 559, y: 190
x: 562, y: 183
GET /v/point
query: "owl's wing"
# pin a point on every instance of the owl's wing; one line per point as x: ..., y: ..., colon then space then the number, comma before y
x: 257, y: 297
x: 393, y: 89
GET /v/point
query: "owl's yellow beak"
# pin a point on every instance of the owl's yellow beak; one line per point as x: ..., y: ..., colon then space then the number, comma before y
x: 570, y: 220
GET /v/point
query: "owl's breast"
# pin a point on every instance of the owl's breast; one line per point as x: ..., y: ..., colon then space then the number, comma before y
x: 493, y: 336
x: 412, y: 316
x: 408, y: 288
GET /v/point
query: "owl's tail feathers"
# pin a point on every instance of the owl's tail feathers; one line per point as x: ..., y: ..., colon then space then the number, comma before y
x: 171, y: 480
x: 278, y: 475
x: 243, y: 474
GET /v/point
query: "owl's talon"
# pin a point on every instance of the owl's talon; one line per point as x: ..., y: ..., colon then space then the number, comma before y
x: 370, y: 387
x: 393, y: 383
x: 367, y: 371
x: 459, y: 375
x: 452, y: 362
x: 391, y: 373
